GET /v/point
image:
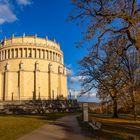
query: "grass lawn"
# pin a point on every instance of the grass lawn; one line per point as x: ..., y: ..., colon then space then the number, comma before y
x: 14, y: 126
x: 123, y: 128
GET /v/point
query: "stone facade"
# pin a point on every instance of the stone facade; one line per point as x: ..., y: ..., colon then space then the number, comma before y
x: 31, y: 68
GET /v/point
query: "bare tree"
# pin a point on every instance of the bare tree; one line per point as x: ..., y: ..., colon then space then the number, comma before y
x: 103, y: 71
x: 107, y: 18
x: 116, y: 77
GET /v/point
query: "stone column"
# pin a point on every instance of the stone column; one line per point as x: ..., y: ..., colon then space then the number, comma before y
x: 48, y: 55
x: 3, y: 55
x: 35, y: 54
x: 27, y: 53
x: 62, y: 59
x: 6, y: 53
x: 54, y: 56
x: 18, y: 53
x: 39, y: 56
x: 14, y: 53
x: 44, y: 54
x: 41, y: 53
x: 31, y: 52
x: 6, y: 82
x: 22, y: 52
x: 10, y: 53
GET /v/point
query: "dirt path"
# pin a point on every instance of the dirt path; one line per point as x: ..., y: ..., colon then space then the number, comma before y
x: 66, y: 128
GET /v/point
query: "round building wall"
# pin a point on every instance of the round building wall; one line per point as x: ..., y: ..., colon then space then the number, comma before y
x: 31, y: 68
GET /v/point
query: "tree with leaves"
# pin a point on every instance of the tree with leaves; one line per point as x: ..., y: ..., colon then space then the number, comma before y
x: 108, y: 18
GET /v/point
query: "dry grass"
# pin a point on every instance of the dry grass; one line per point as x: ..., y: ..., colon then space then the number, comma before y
x: 123, y: 128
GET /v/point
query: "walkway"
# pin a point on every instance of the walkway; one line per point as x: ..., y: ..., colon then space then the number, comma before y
x: 65, y: 128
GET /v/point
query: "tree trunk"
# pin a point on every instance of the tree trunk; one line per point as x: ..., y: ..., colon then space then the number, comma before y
x: 115, y: 108
x: 134, y: 106
x: 135, y: 113
x: 134, y: 110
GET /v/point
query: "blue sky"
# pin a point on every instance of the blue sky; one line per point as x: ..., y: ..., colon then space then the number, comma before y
x: 45, y: 18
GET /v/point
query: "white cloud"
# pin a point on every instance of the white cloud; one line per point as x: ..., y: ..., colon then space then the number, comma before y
x: 77, y: 78
x: 69, y: 72
x: 24, y: 2
x: 89, y: 94
x: 69, y: 66
x: 6, y: 13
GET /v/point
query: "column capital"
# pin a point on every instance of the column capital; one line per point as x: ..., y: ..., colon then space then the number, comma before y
x: 50, y: 67
x: 7, y: 67
x: 36, y: 66
x: 21, y: 67
x: 60, y: 70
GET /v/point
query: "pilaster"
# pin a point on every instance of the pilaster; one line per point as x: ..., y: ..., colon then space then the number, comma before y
x: 50, y: 81
x: 36, y: 94
x: 59, y: 80
x: 6, y: 82
x: 21, y: 82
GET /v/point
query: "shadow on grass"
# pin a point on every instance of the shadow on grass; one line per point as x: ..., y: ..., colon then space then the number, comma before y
x: 117, y: 129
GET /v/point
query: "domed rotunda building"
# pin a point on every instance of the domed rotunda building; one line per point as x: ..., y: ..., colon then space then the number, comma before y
x: 31, y: 68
